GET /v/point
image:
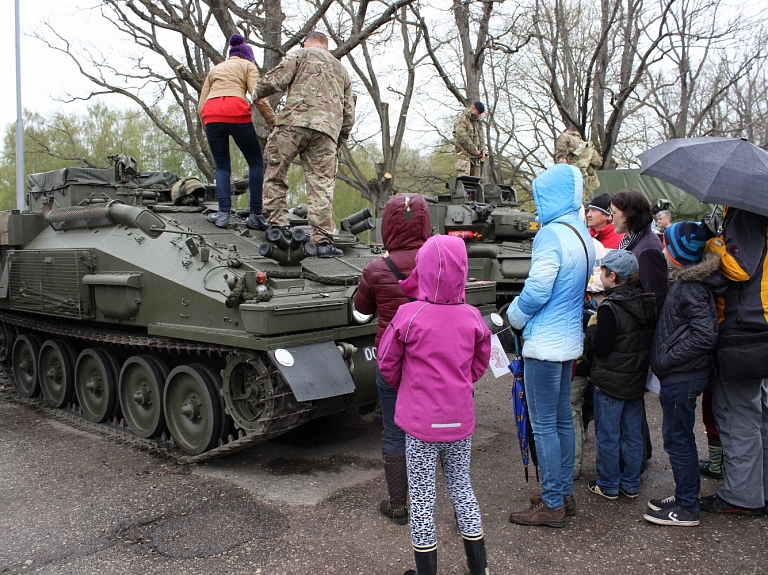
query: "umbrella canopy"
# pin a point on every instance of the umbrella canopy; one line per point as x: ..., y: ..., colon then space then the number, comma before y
x: 520, y: 407
x: 729, y: 171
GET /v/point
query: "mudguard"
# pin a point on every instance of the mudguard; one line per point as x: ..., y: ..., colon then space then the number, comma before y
x: 314, y: 371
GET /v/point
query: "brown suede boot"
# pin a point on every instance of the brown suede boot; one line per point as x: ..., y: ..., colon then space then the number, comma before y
x: 397, y: 483
x: 568, y: 502
x: 539, y: 514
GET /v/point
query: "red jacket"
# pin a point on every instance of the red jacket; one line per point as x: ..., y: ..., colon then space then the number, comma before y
x: 607, y: 236
x: 405, y: 227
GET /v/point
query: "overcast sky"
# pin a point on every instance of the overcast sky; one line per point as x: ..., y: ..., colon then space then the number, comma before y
x: 44, y: 72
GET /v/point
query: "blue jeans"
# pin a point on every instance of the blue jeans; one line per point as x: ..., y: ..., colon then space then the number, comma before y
x: 678, y: 404
x: 619, y: 436
x: 548, y: 392
x: 244, y: 135
x: 392, y: 437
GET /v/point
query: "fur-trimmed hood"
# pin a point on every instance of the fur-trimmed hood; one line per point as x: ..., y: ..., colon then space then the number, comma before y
x: 699, y: 272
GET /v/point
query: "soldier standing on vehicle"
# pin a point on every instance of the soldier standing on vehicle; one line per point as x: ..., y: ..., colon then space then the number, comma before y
x: 571, y: 149
x: 314, y: 123
x: 469, y: 141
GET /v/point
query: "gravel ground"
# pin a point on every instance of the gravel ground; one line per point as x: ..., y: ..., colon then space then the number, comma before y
x: 307, y: 503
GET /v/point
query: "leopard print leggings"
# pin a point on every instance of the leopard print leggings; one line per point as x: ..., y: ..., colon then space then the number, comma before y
x: 421, y: 459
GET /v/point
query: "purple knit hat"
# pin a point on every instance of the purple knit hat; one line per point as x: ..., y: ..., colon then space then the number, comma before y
x: 238, y: 47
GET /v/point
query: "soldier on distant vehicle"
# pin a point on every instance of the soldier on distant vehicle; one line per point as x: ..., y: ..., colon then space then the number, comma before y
x: 315, y: 121
x: 571, y: 149
x: 469, y: 141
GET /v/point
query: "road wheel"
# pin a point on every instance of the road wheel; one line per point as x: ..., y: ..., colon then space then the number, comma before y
x: 192, y: 409
x: 142, y: 383
x: 56, y: 366
x: 96, y: 384
x: 7, y: 337
x: 26, y: 349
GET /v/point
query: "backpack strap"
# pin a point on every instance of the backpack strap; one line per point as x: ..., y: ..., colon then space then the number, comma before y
x: 396, y: 272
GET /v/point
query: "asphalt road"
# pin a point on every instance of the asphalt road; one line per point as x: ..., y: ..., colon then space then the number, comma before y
x: 72, y: 503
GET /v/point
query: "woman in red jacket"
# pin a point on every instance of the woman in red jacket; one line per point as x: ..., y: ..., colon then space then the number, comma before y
x: 405, y: 227
x: 226, y: 112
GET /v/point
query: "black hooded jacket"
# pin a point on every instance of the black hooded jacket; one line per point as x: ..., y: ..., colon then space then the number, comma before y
x: 687, y: 330
x: 621, y: 342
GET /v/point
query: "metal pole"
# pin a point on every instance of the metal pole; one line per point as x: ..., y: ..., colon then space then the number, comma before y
x: 20, y: 188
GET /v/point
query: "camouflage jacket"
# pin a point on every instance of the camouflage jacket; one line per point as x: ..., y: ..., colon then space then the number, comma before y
x: 575, y: 151
x: 468, y: 134
x: 319, y: 92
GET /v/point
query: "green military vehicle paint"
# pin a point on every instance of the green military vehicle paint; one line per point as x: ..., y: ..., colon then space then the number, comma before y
x: 122, y: 307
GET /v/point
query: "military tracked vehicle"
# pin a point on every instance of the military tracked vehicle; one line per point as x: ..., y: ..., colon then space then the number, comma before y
x: 498, y: 235
x: 124, y: 309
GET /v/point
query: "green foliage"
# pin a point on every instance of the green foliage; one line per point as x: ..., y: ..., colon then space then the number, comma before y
x: 68, y: 140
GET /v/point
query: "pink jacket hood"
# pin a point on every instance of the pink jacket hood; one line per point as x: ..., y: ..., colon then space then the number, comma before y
x: 436, y: 347
x: 441, y: 271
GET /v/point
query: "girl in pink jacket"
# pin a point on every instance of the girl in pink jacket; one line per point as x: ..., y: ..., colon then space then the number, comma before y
x: 433, y: 351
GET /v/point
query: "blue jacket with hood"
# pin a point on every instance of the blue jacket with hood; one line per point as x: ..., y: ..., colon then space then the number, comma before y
x: 549, y: 309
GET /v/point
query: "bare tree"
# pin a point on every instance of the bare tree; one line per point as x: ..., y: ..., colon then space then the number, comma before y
x: 363, y: 60
x: 180, y: 40
x: 603, y: 65
x: 710, y: 54
x: 474, y: 34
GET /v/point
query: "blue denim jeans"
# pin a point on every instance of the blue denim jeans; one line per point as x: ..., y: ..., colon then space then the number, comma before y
x: 548, y: 392
x: 392, y: 437
x: 619, y: 436
x: 244, y: 135
x: 678, y: 404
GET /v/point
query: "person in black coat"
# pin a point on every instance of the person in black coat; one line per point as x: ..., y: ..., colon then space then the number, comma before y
x: 685, y: 336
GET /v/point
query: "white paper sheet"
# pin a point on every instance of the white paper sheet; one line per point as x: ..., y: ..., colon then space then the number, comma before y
x: 498, y: 360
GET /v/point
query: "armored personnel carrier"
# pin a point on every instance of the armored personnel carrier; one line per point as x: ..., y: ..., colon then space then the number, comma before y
x: 498, y: 235
x: 126, y: 311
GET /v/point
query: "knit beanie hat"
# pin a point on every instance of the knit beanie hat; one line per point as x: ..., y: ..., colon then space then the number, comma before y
x: 601, y: 203
x: 238, y: 47
x: 685, y: 242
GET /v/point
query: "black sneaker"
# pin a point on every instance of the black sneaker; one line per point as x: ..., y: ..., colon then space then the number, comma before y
x: 659, y: 504
x: 595, y: 488
x: 628, y: 494
x: 716, y: 504
x: 327, y: 250
x: 256, y: 222
x: 673, y: 515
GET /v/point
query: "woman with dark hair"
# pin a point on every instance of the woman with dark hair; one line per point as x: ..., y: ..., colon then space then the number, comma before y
x: 226, y: 112
x: 632, y: 216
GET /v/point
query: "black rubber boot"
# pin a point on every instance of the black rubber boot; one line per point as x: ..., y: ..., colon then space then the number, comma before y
x: 397, y: 484
x: 426, y: 563
x: 476, y: 558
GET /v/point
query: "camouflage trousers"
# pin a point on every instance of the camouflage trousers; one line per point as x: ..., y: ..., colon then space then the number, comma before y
x: 467, y: 166
x: 318, y: 158
x: 591, y: 182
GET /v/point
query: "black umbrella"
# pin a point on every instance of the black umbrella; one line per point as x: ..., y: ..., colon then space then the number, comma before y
x: 729, y: 171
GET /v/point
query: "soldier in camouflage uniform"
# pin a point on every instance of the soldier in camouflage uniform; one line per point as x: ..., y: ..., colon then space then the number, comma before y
x: 315, y: 121
x: 468, y: 140
x: 571, y: 149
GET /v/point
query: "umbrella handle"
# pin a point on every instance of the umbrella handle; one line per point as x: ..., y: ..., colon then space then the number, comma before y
x: 516, y: 339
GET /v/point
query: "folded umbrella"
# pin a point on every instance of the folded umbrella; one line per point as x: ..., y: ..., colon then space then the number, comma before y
x: 728, y: 171
x: 520, y: 407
